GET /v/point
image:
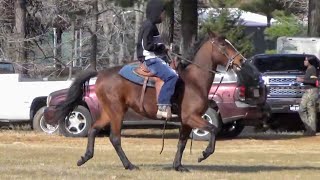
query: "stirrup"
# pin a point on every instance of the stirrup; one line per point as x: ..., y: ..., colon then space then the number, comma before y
x: 167, y: 114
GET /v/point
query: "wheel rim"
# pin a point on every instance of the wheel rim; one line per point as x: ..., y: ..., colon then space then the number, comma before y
x: 47, y: 128
x: 76, y: 123
x: 202, y: 133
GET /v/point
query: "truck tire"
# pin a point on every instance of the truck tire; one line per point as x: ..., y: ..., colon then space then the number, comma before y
x: 39, y: 124
x: 212, y: 117
x: 77, y: 124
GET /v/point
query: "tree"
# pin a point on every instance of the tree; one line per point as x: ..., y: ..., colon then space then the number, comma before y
x: 20, y: 29
x: 314, y: 18
x: 229, y: 24
x: 285, y: 25
x: 265, y: 7
x: 189, y: 24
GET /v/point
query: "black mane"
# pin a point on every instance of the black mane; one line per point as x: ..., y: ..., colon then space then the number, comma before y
x: 190, y: 54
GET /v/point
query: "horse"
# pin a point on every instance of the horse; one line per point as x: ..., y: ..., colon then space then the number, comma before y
x: 116, y: 94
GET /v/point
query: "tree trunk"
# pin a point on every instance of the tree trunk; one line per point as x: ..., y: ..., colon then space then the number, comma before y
x: 59, y: 51
x: 177, y: 36
x: 139, y: 7
x: 314, y: 18
x: 20, y: 28
x: 189, y: 23
x: 94, y: 39
x: 166, y: 27
x: 73, y: 47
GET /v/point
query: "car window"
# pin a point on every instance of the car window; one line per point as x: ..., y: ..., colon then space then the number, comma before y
x: 280, y: 63
x: 228, y: 77
x: 6, y: 68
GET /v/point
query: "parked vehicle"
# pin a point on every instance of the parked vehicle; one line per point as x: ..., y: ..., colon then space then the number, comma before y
x: 229, y: 109
x: 280, y: 72
x: 23, y: 100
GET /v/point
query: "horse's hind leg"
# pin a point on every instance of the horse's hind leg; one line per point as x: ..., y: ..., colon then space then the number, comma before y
x: 102, y: 122
x: 183, y: 138
x: 115, y: 138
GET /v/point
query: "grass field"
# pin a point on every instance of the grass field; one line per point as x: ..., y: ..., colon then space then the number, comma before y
x: 28, y: 155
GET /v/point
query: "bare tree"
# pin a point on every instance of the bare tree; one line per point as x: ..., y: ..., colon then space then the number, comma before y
x: 314, y: 18
x: 189, y: 23
x: 20, y: 30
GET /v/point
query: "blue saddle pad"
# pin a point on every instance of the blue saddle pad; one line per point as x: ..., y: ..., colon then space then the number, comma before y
x: 128, y: 73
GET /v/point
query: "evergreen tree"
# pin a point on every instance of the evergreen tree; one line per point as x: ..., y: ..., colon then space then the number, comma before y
x: 229, y: 24
x: 266, y: 7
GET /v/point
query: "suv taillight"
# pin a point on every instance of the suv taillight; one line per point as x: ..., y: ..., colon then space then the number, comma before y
x: 242, y: 93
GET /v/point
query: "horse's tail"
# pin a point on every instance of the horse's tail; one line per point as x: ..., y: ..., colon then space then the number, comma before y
x: 74, y: 96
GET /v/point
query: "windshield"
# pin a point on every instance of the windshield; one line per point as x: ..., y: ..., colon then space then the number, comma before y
x: 279, y: 63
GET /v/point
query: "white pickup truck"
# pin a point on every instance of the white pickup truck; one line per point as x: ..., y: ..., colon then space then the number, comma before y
x: 24, y: 100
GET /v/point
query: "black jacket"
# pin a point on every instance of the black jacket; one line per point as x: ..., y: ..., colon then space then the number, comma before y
x: 310, y: 77
x: 149, y: 42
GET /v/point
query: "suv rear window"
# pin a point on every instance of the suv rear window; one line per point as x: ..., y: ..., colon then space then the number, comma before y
x: 266, y: 63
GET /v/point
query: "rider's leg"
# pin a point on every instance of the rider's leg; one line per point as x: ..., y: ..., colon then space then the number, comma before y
x: 170, y: 77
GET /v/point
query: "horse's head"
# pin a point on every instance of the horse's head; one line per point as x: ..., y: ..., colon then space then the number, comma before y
x: 227, y: 55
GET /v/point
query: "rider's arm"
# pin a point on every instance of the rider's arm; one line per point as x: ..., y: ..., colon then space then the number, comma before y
x: 148, y: 39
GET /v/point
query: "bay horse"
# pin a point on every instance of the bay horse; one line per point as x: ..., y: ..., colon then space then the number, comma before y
x: 116, y: 94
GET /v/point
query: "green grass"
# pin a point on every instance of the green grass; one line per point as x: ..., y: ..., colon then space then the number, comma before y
x: 27, y: 155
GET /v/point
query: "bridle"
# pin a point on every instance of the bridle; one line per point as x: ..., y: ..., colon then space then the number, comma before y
x: 231, y: 60
x: 222, y: 50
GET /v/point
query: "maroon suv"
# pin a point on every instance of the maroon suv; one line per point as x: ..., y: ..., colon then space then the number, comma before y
x: 231, y: 108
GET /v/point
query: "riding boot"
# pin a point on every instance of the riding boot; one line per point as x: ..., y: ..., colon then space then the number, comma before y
x: 164, y: 111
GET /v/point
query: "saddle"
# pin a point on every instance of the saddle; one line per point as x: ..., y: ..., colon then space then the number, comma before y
x: 138, y: 73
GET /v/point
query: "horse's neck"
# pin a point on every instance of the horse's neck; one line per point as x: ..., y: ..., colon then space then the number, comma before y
x: 198, y: 73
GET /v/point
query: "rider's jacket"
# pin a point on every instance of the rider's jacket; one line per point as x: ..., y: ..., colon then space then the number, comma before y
x: 149, y: 42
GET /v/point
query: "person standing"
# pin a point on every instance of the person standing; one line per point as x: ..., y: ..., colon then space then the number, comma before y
x: 307, y: 109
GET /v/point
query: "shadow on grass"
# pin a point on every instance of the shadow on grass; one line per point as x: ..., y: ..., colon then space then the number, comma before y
x: 242, y: 168
x: 255, y: 136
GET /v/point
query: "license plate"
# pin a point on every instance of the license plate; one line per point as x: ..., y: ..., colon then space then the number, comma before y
x: 294, y: 108
x: 256, y: 93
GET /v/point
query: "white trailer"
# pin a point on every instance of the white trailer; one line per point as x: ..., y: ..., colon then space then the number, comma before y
x: 298, y: 45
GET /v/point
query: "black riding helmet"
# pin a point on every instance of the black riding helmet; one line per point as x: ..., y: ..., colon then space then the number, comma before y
x: 154, y: 10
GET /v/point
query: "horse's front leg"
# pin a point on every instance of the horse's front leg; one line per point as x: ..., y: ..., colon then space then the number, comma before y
x: 183, y: 138
x: 196, y: 121
x: 212, y: 142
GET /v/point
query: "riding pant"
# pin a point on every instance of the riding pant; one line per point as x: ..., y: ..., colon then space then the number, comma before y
x: 162, y: 70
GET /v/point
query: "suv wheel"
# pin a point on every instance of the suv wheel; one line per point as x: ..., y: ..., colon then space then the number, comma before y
x: 39, y: 124
x: 77, y: 124
x: 231, y: 130
x: 212, y: 117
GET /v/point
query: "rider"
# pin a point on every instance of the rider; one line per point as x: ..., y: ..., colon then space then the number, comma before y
x: 149, y: 50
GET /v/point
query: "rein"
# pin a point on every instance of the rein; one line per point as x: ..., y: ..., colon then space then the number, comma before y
x: 191, y: 62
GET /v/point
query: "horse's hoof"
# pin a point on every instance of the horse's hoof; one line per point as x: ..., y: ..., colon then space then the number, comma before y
x: 81, y: 161
x: 181, y: 169
x: 205, y: 155
x: 132, y: 167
